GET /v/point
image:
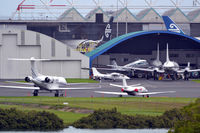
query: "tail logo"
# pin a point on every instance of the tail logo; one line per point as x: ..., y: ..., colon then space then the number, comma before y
x: 108, y: 30
x: 174, y: 28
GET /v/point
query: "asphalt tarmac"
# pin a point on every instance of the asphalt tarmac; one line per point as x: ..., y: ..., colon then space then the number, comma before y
x: 182, y: 88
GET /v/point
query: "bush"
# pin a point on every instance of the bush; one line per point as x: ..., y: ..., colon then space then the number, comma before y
x: 112, y: 119
x: 12, y: 119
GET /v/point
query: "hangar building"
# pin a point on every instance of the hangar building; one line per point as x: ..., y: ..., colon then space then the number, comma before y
x: 64, y: 61
x: 46, y: 38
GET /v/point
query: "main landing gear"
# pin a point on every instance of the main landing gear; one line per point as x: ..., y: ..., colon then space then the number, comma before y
x: 57, y: 94
x: 146, y: 96
x: 35, y: 93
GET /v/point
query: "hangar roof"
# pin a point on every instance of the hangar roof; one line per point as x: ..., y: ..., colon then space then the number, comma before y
x: 123, y: 40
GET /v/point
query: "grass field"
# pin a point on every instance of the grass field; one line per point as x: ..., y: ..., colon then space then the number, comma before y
x: 196, y: 80
x: 75, y: 109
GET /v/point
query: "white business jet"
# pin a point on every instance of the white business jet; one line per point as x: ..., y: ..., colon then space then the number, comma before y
x: 134, y: 90
x: 42, y: 82
x: 112, y: 76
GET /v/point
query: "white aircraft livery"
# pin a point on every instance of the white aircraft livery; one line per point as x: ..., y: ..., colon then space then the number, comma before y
x: 112, y: 76
x: 134, y: 90
x: 42, y: 82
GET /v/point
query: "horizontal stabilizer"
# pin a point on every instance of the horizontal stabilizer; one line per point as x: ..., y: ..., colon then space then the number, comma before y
x: 26, y: 59
x: 120, y: 86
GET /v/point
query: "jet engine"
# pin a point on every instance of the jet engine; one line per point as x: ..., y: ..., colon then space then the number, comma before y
x: 28, y: 79
x: 49, y: 80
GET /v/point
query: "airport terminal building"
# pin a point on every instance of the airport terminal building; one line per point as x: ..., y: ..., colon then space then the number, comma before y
x: 133, y: 37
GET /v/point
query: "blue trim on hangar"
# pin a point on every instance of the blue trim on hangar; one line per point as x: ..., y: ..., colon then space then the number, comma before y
x: 108, y: 45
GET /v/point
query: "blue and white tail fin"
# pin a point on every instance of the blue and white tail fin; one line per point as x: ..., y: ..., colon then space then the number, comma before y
x: 171, y: 25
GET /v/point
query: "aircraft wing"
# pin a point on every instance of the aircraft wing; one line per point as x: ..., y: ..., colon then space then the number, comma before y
x: 193, y: 70
x: 71, y: 88
x: 19, y: 83
x: 135, y: 85
x: 152, y: 93
x: 114, y: 93
x: 20, y: 87
x: 147, y: 69
x: 120, y: 86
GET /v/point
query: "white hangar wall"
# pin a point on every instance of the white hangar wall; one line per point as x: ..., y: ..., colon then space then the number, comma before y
x: 64, y: 61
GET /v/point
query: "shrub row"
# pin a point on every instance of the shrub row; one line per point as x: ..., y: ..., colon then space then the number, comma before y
x: 112, y: 119
x: 12, y: 119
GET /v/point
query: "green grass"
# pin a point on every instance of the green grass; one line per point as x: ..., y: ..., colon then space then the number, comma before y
x: 69, y: 80
x: 196, y: 80
x: 126, y: 105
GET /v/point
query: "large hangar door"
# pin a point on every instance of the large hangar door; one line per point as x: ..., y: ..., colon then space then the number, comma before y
x: 9, y: 69
x: 67, y: 69
x: 71, y: 69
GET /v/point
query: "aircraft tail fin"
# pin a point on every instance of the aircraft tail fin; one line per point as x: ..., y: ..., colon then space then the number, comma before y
x: 114, y: 64
x: 34, y: 70
x: 171, y: 25
x: 124, y: 82
x: 167, y: 54
x: 108, y: 30
x: 95, y: 72
x: 188, y: 64
x: 158, y: 58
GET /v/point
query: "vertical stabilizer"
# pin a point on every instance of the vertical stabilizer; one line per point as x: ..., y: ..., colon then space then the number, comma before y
x: 167, y: 54
x: 171, y: 25
x: 108, y: 30
x: 124, y: 82
x: 34, y: 70
x: 114, y: 64
x: 95, y: 72
x: 158, y: 58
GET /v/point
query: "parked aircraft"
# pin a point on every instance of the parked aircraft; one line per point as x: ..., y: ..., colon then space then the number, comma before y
x: 134, y: 90
x: 42, y: 82
x: 169, y: 67
x: 128, y: 67
x: 157, y: 62
x: 89, y: 45
x: 112, y: 76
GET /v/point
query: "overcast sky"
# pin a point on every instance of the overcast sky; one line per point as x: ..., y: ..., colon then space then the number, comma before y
x: 7, y: 7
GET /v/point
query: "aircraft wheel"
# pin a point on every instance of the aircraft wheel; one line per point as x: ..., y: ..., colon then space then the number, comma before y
x: 35, y: 93
x: 147, y: 96
x: 120, y: 95
x: 57, y: 94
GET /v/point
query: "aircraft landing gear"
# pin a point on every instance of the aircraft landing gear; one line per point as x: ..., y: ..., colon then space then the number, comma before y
x: 57, y: 94
x: 120, y: 95
x: 35, y: 93
x: 147, y: 96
